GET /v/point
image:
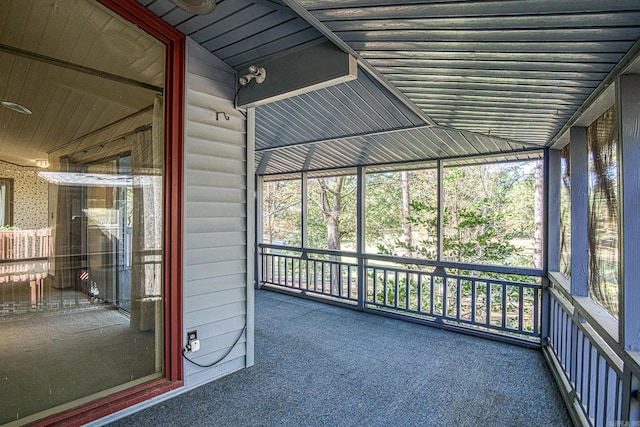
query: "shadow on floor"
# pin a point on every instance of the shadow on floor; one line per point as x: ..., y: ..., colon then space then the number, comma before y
x: 319, y: 365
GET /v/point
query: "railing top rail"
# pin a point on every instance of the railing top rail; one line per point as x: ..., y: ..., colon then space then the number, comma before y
x: 414, y: 261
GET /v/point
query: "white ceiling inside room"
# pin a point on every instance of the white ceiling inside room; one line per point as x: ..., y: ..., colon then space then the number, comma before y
x: 76, y: 68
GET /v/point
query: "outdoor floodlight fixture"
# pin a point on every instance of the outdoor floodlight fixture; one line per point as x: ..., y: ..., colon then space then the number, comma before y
x: 257, y: 73
x: 197, y: 7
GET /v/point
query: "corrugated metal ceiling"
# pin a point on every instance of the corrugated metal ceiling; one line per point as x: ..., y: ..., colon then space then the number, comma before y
x: 494, y: 76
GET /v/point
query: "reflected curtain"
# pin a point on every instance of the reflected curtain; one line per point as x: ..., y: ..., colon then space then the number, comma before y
x: 565, y: 212
x: 68, y: 230
x: 3, y: 200
x: 603, y: 211
x: 147, y: 159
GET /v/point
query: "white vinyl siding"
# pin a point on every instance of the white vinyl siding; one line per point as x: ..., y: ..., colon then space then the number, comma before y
x: 215, y: 215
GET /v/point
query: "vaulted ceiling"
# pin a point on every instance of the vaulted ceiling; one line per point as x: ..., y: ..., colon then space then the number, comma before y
x: 436, y: 78
x: 454, y: 78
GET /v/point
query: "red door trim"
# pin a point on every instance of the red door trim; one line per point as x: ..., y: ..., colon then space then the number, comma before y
x: 175, y: 43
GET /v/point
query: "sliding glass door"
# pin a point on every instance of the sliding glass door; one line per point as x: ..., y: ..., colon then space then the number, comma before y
x: 82, y: 187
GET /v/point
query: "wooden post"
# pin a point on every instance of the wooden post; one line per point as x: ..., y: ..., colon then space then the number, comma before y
x: 254, y: 223
x: 628, y: 108
x: 440, y: 220
x: 361, y: 236
x: 579, y: 211
x: 304, y: 210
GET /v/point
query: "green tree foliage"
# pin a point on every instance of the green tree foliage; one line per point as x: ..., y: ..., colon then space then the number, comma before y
x: 485, y: 208
x: 281, y: 212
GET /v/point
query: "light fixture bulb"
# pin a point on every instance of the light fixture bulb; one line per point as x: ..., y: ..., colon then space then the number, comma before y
x: 197, y: 7
x: 254, y: 72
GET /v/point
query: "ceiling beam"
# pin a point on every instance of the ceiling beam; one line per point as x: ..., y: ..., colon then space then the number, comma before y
x: 345, y: 137
x: 317, y: 24
x: 76, y: 67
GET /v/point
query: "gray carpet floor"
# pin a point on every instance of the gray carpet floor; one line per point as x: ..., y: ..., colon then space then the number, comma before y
x: 51, y: 358
x: 319, y: 365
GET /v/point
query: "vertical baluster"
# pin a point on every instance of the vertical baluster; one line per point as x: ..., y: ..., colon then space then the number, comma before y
x: 536, y: 305
x: 574, y: 352
x: 587, y: 401
x: 274, y: 270
x: 617, y: 414
x: 396, y: 299
x: 605, y: 401
x: 286, y: 271
x: 375, y: 285
x: 407, y: 293
x: 473, y: 300
x: 315, y: 275
x: 445, y: 294
x: 580, y: 364
x: 431, y: 309
x: 563, y: 358
x: 488, y: 302
x: 385, y: 284
x: 458, y: 298
x: 597, y: 401
x: 504, y: 305
x: 420, y: 292
x: 521, y: 309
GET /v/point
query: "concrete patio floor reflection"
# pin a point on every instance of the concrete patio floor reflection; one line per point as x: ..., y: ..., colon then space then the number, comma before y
x: 320, y: 365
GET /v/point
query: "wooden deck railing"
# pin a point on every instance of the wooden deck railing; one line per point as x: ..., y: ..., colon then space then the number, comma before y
x: 502, y: 303
x: 25, y: 244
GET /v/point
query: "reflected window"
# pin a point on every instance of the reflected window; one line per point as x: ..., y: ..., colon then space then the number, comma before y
x: 6, y: 203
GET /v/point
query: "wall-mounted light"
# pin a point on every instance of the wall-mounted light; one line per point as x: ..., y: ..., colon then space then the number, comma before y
x: 197, y: 7
x: 257, y: 73
x: 16, y: 107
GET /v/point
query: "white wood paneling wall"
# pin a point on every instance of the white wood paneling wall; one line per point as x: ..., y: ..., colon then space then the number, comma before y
x: 215, y: 216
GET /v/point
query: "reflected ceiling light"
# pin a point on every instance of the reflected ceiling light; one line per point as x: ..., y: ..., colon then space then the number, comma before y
x: 16, y: 107
x: 197, y: 7
x: 42, y: 164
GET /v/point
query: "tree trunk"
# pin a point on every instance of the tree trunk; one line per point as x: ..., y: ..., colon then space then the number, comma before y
x: 332, y: 208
